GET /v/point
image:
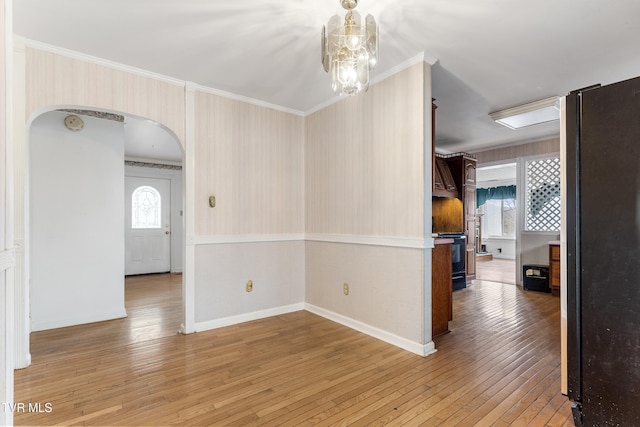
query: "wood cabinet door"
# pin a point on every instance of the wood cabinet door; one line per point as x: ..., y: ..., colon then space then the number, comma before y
x: 445, y: 173
x: 438, y: 183
x: 469, y: 171
x: 441, y: 289
x: 471, y: 263
x: 470, y: 202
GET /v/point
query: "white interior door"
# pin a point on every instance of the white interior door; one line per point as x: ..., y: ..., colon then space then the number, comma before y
x: 147, y: 225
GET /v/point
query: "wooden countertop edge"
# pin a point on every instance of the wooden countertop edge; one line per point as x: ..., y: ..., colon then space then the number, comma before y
x: 442, y: 241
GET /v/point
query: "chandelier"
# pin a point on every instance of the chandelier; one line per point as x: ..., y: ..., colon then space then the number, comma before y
x: 350, y: 51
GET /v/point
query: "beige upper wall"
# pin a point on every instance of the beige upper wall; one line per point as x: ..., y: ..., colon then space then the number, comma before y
x: 252, y: 159
x: 364, y: 161
x: 547, y: 146
x: 54, y: 80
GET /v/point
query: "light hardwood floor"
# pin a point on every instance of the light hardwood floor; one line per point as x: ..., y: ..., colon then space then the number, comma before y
x: 499, y: 366
x: 497, y: 270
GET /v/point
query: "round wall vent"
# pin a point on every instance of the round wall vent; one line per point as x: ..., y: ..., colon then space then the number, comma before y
x: 73, y: 123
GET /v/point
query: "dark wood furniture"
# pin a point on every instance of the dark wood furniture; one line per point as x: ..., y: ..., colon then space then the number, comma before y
x: 554, y: 267
x: 463, y: 170
x: 441, y: 287
x: 443, y: 183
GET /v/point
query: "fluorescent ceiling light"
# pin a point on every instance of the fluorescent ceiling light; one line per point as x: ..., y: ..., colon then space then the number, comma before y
x: 533, y: 113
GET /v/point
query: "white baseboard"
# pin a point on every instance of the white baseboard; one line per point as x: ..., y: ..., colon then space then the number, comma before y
x: 78, y: 320
x: 388, y: 337
x: 503, y: 257
x: 403, y: 343
x: 247, y: 317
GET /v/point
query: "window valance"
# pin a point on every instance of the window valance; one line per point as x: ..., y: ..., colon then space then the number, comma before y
x: 495, y: 193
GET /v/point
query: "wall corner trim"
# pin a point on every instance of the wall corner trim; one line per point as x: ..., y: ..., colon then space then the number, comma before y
x: 403, y: 343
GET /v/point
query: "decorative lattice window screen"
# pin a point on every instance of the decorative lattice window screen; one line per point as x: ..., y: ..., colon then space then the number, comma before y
x: 543, y: 195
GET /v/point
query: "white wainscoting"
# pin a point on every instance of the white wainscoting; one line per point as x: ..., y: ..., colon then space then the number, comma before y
x: 222, y: 270
x: 224, y: 263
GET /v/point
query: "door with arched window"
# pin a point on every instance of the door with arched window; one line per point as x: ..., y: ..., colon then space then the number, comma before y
x: 147, y: 225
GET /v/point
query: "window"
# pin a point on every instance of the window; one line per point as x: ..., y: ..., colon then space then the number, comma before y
x: 543, y: 195
x: 146, y: 206
x: 499, y: 218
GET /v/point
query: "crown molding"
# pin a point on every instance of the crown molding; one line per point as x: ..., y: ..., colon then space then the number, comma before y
x: 21, y: 43
x: 422, y: 57
x: 98, y: 61
x: 241, y: 98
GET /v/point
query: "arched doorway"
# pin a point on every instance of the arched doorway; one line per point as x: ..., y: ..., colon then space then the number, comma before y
x: 76, y: 215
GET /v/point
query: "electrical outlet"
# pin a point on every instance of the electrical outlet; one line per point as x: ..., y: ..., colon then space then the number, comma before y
x: 249, y: 287
x: 345, y: 288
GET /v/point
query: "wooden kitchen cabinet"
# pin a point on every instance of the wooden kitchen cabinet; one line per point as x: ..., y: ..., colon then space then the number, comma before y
x: 438, y: 182
x: 470, y: 262
x: 469, y: 171
x: 441, y: 287
x: 443, y: 182
x: 463, y: 170
x: 469, y: 202
x: 554, y: 267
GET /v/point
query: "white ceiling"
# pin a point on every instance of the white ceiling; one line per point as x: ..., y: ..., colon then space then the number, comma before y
x: 491, y: 176
x: 492, y: 54
x: 147, y: 140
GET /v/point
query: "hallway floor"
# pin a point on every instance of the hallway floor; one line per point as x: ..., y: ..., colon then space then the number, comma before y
x: 497, y: 270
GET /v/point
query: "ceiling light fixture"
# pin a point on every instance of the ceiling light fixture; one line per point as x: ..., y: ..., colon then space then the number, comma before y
x: 533, y: 113
x: 350, y: 51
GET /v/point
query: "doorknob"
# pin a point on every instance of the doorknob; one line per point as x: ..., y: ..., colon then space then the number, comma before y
x: 167, y: 232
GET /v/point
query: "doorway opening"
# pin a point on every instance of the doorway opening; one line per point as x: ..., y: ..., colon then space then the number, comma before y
x: 77, y: 216
x: 496, y: 224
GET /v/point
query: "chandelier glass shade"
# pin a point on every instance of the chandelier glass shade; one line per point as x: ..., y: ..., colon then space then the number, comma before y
x: 350, y: 50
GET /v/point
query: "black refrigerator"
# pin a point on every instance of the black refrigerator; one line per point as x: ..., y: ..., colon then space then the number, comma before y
x: 602, y: 126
